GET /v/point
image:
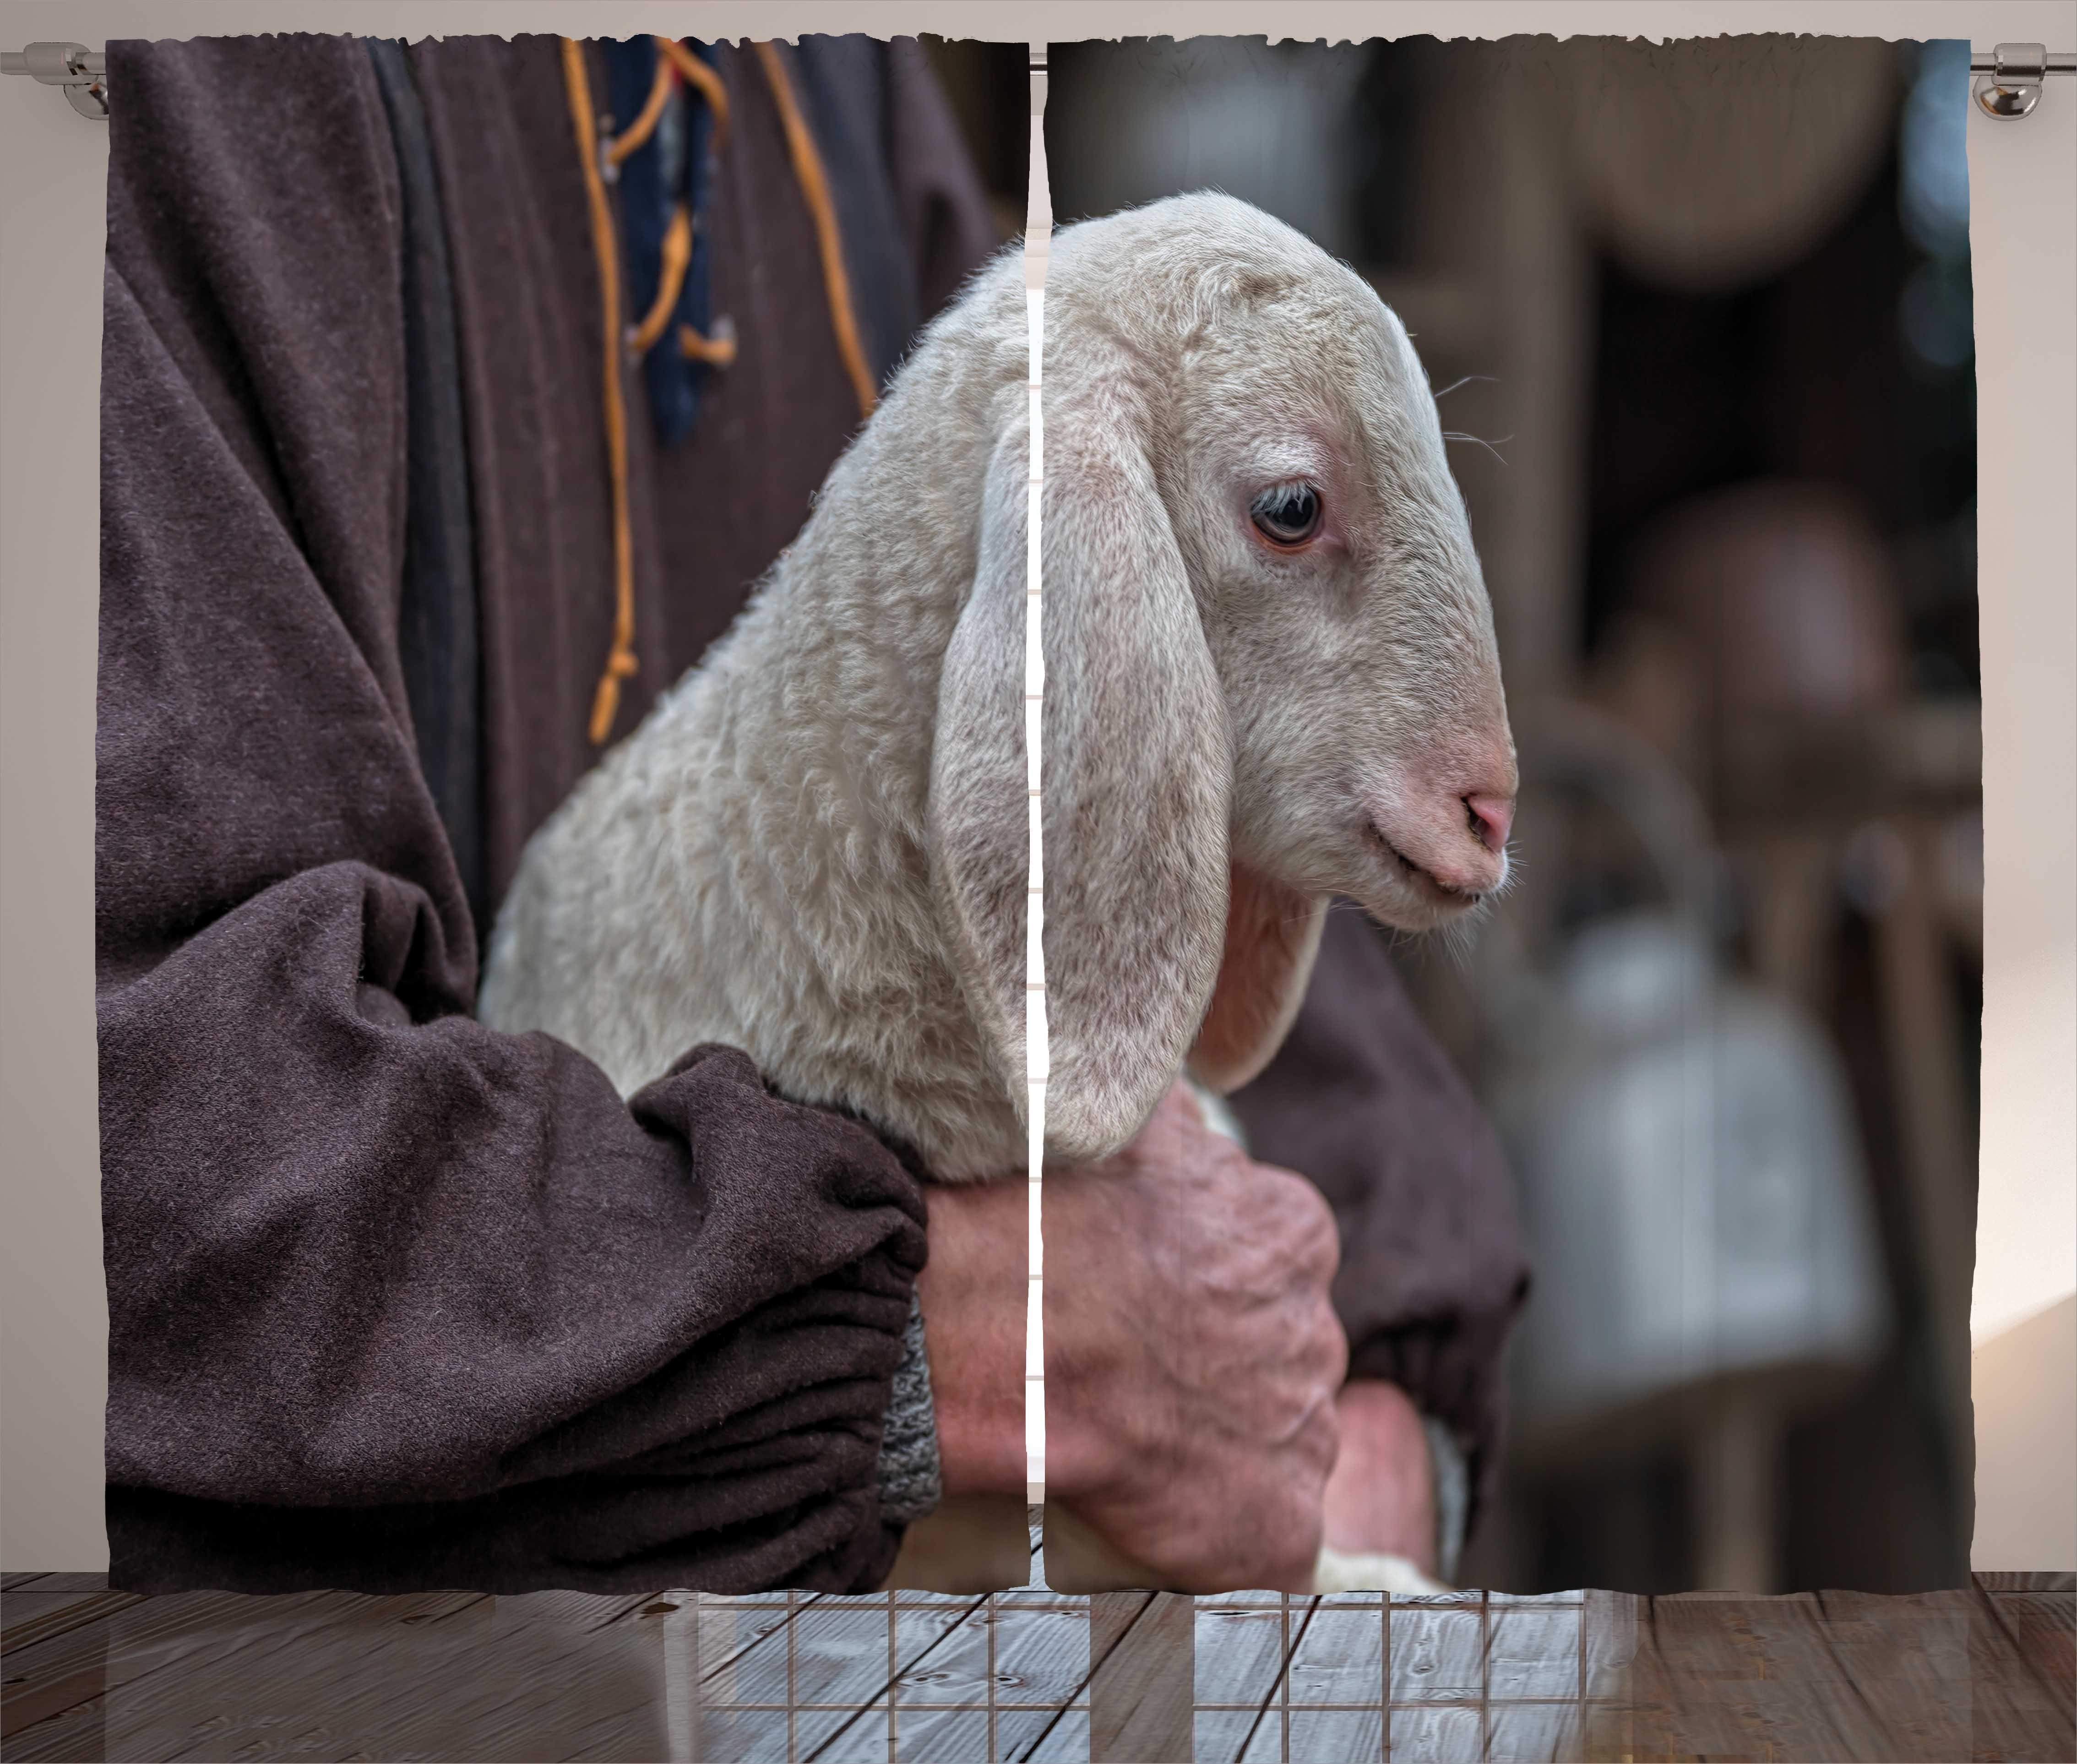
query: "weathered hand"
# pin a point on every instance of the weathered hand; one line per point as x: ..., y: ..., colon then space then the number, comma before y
x: 1192, y: 1356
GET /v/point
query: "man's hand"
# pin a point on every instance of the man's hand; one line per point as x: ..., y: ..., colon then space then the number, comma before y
x: 1192, y: 1356
x: 1192, y: 1353
x: 1380, y: 1499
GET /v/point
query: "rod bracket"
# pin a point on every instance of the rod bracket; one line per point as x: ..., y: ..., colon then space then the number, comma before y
x: 2010, y: 78
x: 81, y: 73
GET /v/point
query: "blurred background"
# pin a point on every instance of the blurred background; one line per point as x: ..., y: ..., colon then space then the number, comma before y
x: 1699, y: 316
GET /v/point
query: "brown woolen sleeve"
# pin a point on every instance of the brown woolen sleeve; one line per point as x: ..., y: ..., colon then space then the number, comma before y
x: 394, y: 1301
x: 1361, y: 1099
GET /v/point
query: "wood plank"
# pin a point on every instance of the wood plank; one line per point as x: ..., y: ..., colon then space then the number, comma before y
x: 1340, y: 1658
x: 1252, y: 1650
x: 563, y: 1683
x: 841, y: 1666
x: 1062, y: 1739
x: 136, y: 1640
x: 1536, y: 1733
x: 2020, y: 1672
x: 1607, y: 1644
x: 1807, y: 1704
x: 1239, y: 1653
x: 1908, y: 1656
x: 841, y: 1658
x: 1535, y: 1650
x: 1439, y: 1733
x: 1042, y: 1656
x: 727, y: 1631
x: 27, y: 1706
x: 2043, y: 1634
x: 450, y: 1607
x: 1346, y: 1736
x: 1436, y: 1653
x: 543, y: 1679
x: 44, y: 1679
x: 10, y: 1581
x: 844, y: 1675
x: 579, y: 1610
x: 707, y: 1645
x: 1844, y: 1678
x: 74, y: 1736
x: 30, y: 1617
x: 1701, y: 1687
x: 1143, y: 1677
x: 949, y: 1642
x: 926, y: 1735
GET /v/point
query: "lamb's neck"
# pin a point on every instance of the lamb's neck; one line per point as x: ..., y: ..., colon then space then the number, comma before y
x: 800, y: 793
x: 823, y: 702
x: 801, y: 764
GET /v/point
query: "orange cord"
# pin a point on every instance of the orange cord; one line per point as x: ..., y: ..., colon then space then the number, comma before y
x: 620, y: 662
x: 815, y: 190
x: 677, y: 253
x: 695, y: 72
x: 717, y: 351
x: 644, y: 125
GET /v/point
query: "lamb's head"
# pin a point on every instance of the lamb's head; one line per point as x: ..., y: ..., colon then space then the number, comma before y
x: 1343, y: 604
x: 1272, y: 676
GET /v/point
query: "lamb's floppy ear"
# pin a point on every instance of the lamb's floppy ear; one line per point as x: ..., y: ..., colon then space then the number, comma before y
x: 1137, y: 775
x: 1272, y: 934
x: 979, y: 818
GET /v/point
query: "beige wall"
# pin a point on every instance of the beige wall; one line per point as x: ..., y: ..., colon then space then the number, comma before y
x: 52, y: 1329
x: 2026, y: 1443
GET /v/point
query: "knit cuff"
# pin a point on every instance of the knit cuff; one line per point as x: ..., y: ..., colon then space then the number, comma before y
x: 910, y: 1484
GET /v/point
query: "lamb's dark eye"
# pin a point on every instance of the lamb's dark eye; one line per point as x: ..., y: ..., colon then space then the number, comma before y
x: 1289, y: 515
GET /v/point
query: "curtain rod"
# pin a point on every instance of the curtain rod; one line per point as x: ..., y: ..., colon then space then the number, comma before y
x: 2008, y: 87
x: 82, y: 72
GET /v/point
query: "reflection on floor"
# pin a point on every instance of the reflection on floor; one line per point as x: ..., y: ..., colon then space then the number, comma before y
x: 1985, y: 1675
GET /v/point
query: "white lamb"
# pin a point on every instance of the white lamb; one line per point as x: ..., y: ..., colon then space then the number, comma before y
x: 1270, y: 679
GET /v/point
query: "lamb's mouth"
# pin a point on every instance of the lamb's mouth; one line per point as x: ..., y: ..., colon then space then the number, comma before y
x: 1424, y: 881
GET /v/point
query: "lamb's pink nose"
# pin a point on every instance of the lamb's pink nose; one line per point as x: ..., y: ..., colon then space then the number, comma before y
x: 1491, y: 818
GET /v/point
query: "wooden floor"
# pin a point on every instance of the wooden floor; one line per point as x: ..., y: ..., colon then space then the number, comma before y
x: 1989, y: 1673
